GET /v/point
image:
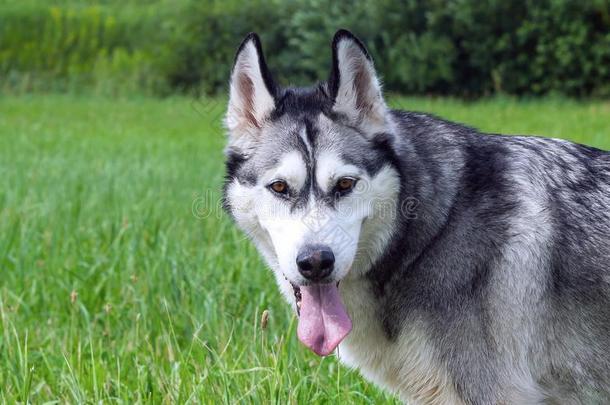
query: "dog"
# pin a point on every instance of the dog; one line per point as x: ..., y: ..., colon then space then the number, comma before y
x: 449, y: 266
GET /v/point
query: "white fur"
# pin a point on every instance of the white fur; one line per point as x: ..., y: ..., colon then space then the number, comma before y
x: 281, y: 232
x: 290, y: 230
x: 291, y: 169
x: 330, y: 169
x: 406, y: 366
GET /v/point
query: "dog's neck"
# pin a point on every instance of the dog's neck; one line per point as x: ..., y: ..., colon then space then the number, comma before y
x: 422, y: 209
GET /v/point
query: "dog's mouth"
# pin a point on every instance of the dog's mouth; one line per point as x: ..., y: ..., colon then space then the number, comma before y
x: 298, y: 297
x: 323, y: 320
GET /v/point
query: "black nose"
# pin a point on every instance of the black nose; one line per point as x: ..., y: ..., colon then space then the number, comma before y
x: 315, y: 262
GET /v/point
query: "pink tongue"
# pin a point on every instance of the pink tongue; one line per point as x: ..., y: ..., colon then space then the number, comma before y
x: 323, y: 322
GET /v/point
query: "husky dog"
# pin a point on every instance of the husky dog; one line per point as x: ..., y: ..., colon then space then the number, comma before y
x: 447, y: 265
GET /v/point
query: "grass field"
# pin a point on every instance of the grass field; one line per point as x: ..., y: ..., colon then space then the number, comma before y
x: 121, y: 281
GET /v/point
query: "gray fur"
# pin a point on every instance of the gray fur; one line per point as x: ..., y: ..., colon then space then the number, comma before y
x: 502, y: 265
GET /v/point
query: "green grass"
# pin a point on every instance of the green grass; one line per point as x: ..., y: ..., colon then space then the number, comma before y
x: 113, y: 289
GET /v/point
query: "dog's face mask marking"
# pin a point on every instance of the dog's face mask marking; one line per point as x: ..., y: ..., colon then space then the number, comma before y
x: 306, y: 178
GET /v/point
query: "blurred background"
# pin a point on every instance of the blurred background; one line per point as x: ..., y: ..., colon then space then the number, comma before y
x: 121, y: 279
x: 463, y: 47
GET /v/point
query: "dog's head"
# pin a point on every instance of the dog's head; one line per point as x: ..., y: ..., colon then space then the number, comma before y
x: 311, y: 178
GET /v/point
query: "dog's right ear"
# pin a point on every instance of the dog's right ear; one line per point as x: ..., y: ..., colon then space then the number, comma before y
x: 252, y: 94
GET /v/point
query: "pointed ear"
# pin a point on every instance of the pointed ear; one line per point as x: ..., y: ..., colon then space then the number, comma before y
x: 353, y: 83
x: 252, y: 94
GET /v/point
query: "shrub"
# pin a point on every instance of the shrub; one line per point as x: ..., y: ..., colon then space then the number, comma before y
x: 458, y: 47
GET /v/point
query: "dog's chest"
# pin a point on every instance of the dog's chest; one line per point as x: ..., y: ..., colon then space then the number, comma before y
x: 405, y: 366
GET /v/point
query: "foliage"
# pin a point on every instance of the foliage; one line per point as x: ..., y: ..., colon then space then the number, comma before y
x: 67, y: 47
x: 458, y: 47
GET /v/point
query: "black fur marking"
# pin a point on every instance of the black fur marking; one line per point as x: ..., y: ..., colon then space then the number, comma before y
x: 303, y: 197
x: 312, y: 133
x: 234, y: 161
x: 382, y: 143
x: 302, y: 102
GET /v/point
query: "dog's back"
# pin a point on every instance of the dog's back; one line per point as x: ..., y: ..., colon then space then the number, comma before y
x: 575, y: 331
x: 517, y: 232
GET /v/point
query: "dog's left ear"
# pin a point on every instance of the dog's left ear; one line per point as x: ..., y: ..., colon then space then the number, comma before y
x: 252, y: 94
x: 353, y: 84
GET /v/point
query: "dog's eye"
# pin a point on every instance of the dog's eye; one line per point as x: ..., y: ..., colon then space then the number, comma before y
x: 279, y: 186
x: 345, y: 184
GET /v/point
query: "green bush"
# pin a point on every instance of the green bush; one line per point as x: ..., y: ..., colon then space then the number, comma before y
x: 457, y: 47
